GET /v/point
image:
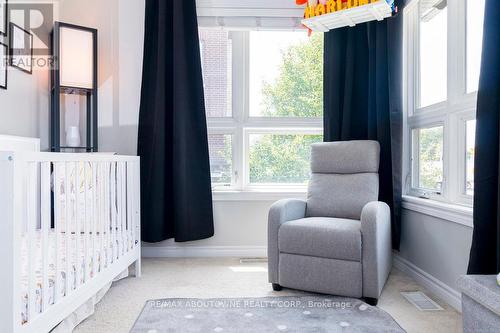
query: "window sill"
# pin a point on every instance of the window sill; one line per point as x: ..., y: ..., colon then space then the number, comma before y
x: 445, y: 211
x: 256, y: 195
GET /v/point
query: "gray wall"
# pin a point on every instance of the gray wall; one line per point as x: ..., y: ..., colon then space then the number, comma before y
x: 439, y: 247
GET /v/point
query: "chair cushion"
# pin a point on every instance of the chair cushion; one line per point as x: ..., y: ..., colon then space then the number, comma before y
x: 340, y: 195
x: 323, y: 237
x: 345, y: 157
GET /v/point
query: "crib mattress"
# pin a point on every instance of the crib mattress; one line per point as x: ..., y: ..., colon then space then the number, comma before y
x: 86, y: 268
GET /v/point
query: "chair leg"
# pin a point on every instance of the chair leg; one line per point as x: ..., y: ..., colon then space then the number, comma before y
x: 370, y: 300
x: 277, y: 287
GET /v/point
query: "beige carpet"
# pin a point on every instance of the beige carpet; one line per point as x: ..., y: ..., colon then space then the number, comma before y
x: 217, y: 278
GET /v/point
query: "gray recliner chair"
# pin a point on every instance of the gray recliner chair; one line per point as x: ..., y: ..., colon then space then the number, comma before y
x: 338, y: 241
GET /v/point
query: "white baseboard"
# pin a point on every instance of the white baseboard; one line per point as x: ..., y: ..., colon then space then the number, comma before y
x: 429, y: 282
x: 203, y: 251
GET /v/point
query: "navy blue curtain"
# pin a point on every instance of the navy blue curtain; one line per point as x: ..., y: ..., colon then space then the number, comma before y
x: 176, y: 195
x: 485, y: 250
x: 363, y: 97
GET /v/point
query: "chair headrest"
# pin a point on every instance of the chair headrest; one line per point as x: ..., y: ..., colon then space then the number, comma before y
x: 345, y: 157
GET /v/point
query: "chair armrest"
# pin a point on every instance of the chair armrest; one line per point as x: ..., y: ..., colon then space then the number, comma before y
x: 279, y: 213
x: 377, y: 248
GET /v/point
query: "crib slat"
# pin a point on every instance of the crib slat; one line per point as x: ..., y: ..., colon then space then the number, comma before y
x: 110, y: 198
x: 78, y: 224
x: 123, y: 207
x: 134, y: 203
x: 31, y: 225
x: 102, y: 215
x: 57, y: 227
x: 67, y: 229
x: 113, y: 207
x: 105, y: 211
x: 45, y: 206
x: 86, y: 233
x: 137, y: 205
x: 118, y: 209
x: 94, y: 217
x: 129, y: 206
x: 104, y: 226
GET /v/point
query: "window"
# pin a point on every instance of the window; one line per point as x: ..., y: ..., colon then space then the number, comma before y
x: 470, y: 135
x: 216, y: 61
x: 428, y: 158
x: 433, y: 53
x: 264, y: 104
x: 443, y: 41
x: 475, y: 17
x: 280, y: 63
x: 221, y: 158
x: 280, y: 158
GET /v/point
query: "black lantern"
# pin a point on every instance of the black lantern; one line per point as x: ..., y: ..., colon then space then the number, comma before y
x: 74, y: 89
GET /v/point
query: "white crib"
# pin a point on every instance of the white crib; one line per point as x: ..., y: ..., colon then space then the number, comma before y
x: 70, y: 224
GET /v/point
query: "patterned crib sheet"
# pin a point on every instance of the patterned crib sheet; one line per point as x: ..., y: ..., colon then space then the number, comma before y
x: 86, y: 268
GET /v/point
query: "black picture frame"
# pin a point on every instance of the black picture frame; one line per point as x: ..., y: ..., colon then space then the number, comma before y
x: 4, y: 60
x: 14, y: 29
x: 4, y: 26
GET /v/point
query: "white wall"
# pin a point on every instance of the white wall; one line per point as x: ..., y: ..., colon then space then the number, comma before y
x: 240, y: 230
x: 24, y: 106
x: 120, y: 25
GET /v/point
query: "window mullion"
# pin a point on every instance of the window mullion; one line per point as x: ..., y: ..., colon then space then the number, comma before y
x: 456, y: 91
x: 456, y: 51
x: 240, y: 102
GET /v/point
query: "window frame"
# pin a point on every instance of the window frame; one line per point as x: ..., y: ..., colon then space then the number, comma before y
x: 452, y: 113
x: 240, y: 125
x: 415, y: 166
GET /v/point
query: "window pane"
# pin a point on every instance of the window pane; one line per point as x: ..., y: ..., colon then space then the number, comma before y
x: 433, y: 52
x: 286, y: 74
x: 475, y: 17
x: 221, y: 158
x: 216, y: 61
x: 470, y: 147
x: 429, y: 157
x: 279, y: 158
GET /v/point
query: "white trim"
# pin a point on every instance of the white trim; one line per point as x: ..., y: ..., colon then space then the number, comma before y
x: 445, y: 211
x: 440, y: 289
x: 450, y: 113
x: 263, y: 4
x: 257, y: 195
x: 250, y: 12
x: 203, y: 251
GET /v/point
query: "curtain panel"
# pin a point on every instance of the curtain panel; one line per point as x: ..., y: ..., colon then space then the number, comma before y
x: 485, y: 250
x: 363, y: 97
x: 176, y: 195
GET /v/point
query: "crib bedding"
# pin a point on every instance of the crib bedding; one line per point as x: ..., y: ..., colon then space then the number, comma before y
x: 109, y: 252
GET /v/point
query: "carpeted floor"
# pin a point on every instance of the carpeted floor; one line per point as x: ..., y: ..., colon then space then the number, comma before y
x: 218, y: 278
